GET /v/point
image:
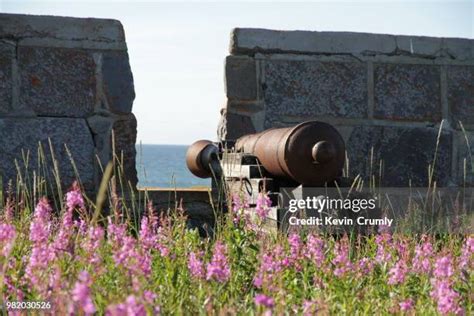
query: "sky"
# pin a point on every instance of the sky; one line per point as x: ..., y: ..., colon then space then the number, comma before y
x: 177, y: 49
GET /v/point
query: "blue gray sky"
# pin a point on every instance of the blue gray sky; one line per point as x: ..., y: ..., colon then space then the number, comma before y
x: 177, y: 49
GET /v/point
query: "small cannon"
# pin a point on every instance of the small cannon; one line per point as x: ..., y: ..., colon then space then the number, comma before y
x: 310, y: 154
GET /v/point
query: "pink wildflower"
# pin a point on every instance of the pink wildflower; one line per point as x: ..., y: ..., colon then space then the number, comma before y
x: 148, y: 238
x: 263, y: 205
x: 91, y: 243
x: 41, y: 253
x: 218, y: 269
x: 40, y: 226
x: 383, y: 242
x: 81, y: 294
x: 195, y: 266
x: 263, y: 300
x: 443, y: 267
x: 131, y: 307
x: 74, y: 197
x: 398, y: 272
x: 466, y: 260
x: 448, y: 300
x: 239, y: 205
x: 406, y: 305
x: 315, y: 249
x: 365, y: 266
x: 309, y: 308
x: 7, y: 239
x: 295, y: 243
x: 271, y: 263
x: 65, y: 231
x: 421, y: 261
x: 341, y: 260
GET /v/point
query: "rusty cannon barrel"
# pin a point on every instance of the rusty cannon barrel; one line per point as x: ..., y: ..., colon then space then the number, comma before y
x: 311, y: 153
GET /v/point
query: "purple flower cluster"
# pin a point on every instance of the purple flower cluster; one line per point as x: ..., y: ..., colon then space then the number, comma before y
x: 218, y: 269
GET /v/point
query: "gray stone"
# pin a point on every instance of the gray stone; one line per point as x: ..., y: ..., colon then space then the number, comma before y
x: 250, y: 41
x: 118, y: 82
x: 465, y: 159
x: 461, y: 93
x: 57, y: 82
x: 101, y: 127
x: 125, y: 136
x: 459, y: 48
x: 419, y: 45
x: 7, y: 53
x: 232, y: 126
x: 20, y: 26
x: 407, y: 92
x: 313, y: 88
x: 17, y: 135
x: 406, y: 153
x: 240, y: 78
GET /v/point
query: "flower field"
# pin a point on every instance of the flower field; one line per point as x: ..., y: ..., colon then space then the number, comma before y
x: 83, y: 264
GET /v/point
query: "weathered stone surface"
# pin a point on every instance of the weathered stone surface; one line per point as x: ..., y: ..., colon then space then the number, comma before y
x: 232, y: 126
x: 57, y: 82
x: 240, y: 78
x: 313, y: 88
x: 461, y: 93
x: 406, y: 153
x: 419, y: 45
x: 101, y: 127
x: 459, y: 48
x: 7, y: 53
x: 248, y: 40
x: 407, y: 92
x: 118, y: 82
x: 125, y: 136
x: 20, y: 26
x: 465, y: 159
x: 17, y: 134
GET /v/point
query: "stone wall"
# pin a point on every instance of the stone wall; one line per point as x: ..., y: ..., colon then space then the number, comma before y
x: 67, y: 80
x: 386, y: 94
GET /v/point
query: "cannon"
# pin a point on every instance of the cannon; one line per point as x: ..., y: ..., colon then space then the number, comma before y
x: 310, y: 154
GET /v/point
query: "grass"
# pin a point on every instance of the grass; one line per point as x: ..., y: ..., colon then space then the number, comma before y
x: 115, y: 254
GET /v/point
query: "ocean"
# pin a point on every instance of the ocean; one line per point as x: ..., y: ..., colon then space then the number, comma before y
x: 165, y: 166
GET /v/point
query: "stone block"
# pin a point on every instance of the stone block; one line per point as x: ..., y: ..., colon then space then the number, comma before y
x: 419, y: 45
x: 459, y: 48
x: 461, y: 93
x: 240, y: 78
x: 101, y: 127
x: 232, y: 126
x: 465, y: 159
x: 312, y: 88
x: 57, y: 82
x: 251, y: 41
x: 125, y: 136
x: 118, y: 82
x: 407, y: 92
x: 7, y: 53
x: 18, y: 134
x: 406, y: 153
x: 20, y: 26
